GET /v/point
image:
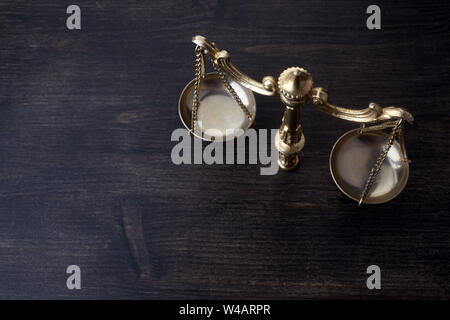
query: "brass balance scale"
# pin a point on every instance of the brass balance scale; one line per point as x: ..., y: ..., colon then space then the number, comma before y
x: 367, y: 164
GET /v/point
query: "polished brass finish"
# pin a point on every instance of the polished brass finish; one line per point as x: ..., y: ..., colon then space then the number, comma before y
x: 217, y: 110
x: 374, y: 113
x: 199, y: 75
x: 367, y: 164
x: 377, y: 167
x: 294, y: 86
x: 230, y: 89
x: 222, y: 58
x: 353, y: 157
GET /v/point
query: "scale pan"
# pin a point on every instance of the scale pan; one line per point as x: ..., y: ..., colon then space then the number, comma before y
x: 354, y: 155
x: 217, y: 112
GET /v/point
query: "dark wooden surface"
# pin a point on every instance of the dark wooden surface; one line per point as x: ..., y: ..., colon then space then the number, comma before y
x: 85, y: 124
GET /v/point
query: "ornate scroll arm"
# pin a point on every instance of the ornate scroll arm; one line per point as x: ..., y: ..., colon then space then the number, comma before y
x: 268, y: 86
x: 374, y: 113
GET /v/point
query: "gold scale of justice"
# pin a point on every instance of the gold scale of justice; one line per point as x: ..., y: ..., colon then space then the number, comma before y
x: 367, y: 164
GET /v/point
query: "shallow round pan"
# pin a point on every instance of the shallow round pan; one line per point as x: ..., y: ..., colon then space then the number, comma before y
x: 354, y: 155
x: 218, y: 112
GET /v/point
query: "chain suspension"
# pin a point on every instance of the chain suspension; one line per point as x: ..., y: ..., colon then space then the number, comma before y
x: 199, y: 66
x: 230, y: 89
x: 198, y: 69
x: 377, y: 167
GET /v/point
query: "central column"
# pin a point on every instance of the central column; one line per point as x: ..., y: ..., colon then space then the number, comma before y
x: 294, y: 86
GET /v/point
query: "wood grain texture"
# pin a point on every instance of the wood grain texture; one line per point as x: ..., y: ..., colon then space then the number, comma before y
x: 85, y: 122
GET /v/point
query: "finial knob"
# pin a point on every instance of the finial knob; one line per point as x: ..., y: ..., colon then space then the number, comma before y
x: 294, y: 84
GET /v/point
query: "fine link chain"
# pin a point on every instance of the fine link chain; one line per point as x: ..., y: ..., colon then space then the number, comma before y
x: 198, y: 67
x: 376, y: 169
x: 231, y: 90
x: 199, y: 59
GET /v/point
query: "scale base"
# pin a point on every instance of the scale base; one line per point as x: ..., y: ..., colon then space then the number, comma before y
x: 288, y: 162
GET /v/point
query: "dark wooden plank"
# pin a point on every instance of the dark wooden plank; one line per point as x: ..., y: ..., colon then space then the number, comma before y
x: 86, y: 119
